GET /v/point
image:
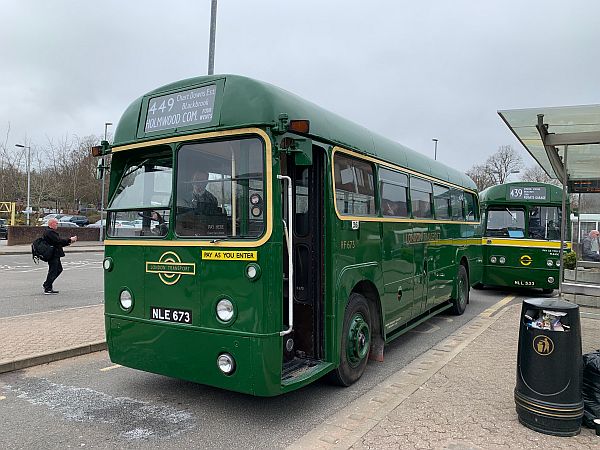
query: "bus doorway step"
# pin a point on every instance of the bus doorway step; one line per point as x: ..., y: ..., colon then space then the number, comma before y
x: 297, y: 367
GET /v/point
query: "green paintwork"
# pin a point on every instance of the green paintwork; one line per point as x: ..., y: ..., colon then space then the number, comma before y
x: 513, y: 273
x: 247, y: 102
x: 382, y: 261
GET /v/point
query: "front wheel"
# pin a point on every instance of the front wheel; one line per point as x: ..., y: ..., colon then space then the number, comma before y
x: 356, y: 341
x: 459, y: 304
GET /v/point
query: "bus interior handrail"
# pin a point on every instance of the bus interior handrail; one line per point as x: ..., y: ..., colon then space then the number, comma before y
x: 289, y: 232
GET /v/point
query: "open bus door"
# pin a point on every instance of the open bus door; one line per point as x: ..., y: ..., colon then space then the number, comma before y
x: 303, y: 347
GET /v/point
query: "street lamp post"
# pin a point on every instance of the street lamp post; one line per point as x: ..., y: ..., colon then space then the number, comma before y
x: 28, y: 177
x: 213, y: 32
x: 435, y: 149
x: 106, y: 125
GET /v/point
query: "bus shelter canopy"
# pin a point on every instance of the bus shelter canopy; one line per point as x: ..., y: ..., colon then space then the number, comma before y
x: 547, y: 133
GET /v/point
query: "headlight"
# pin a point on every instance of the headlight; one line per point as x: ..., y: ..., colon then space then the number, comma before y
x: 557, y: 263
x: 225, y: 310
x: 493, y: 260
x: 253, y: 271
x: 126, y: 300
x: 549, y: 263
x: 550, y: 280
x: 107, y: 264
x: 226, y: 363
x: 502, y: 260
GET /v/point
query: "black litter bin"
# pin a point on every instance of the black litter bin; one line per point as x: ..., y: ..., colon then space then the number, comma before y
x: 549, y: 367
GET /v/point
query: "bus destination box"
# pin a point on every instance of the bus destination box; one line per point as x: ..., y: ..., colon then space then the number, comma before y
x: 549, y: 367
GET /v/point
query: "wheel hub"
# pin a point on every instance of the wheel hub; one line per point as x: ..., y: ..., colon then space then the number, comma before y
x: 359, y: 337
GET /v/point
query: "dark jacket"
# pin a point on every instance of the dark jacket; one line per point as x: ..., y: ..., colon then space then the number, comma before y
x: 52, y: 238
x: 588, y: 253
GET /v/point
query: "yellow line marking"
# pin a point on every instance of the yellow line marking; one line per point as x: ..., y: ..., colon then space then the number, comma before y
x: 106, y: 369
x: 491, y: 310
x: 2, y: 397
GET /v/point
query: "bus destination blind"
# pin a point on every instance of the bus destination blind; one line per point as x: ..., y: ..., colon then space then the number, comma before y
x: 181, y: 109
x: 527, y: 193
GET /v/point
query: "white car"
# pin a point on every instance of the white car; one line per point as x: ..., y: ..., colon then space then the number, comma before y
x: 63, y: 224
x: 97, y: 224
x: 44, y: 220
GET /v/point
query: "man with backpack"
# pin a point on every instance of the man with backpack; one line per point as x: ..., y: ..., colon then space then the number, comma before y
x: 54, y: 265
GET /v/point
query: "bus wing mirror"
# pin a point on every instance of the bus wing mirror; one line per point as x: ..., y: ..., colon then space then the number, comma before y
x: 301, y: 148
x: 303, y: 153
x: 100, y: 169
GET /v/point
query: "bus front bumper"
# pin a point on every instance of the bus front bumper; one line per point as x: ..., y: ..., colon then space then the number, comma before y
x: 496, y: 275
x: 191, y: 354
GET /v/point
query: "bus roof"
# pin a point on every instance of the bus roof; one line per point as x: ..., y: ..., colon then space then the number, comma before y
x: 530, y: 192
x: 248, y: 102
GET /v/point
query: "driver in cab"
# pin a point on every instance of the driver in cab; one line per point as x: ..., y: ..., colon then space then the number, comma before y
x: 203, y: 202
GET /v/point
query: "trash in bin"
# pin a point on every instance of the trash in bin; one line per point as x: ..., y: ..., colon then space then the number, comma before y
x: 547, y: 320
x: 591, y: 388
x: 549, y: 367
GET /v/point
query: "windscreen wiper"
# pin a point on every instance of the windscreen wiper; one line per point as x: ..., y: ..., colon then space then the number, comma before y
x: 134, y: 168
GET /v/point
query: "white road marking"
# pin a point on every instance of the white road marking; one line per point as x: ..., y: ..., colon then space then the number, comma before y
x: 106, y: 369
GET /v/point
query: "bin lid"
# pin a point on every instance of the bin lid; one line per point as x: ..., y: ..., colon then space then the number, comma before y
x: 550, y: 303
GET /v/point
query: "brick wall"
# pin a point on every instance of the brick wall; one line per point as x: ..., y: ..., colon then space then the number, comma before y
x: 26, y: 235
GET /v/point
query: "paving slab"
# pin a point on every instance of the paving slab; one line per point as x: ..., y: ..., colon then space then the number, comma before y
x: 40, y: 338
x: 458, y: 395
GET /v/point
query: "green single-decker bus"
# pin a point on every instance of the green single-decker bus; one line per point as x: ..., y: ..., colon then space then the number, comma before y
x: 256, y: 242
x: 521, y: 241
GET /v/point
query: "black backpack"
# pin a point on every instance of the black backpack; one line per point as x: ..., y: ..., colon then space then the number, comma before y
x: 40, y: 249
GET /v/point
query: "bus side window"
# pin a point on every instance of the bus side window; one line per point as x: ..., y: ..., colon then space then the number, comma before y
x: 354, y: 190
x: 471, y: 208
x: 421, y: 198
x: 441, y: 202
x: 393, y: 188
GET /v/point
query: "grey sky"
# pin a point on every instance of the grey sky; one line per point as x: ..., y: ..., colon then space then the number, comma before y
x: 411, y: 71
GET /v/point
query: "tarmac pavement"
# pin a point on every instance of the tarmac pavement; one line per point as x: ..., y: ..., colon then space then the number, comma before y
x: 77, y: 247
x: 457, y: 395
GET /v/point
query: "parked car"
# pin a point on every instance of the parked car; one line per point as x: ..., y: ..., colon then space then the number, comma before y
x: 3, y: 229
x: 81, y: 221
x: 44, y: 220
x: 97, y: 224
x: 64, y: 224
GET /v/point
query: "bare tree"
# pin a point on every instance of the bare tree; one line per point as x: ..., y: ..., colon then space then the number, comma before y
x: 505, y: 161
x: 497, y: 168
x: 539, y: 175
x: 479, y: 173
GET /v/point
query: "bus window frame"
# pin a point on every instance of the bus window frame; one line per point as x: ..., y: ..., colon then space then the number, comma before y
x: 218, y: 238
x: 430, y: 192
x: 394, y: 167
x: 268, y: 200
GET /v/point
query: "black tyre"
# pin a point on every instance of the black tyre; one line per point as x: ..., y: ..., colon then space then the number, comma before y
x: 356, y: 342
x: 459, y: 304
x: 547, y: 291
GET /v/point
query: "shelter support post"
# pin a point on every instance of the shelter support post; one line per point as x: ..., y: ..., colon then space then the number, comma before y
x: 563, y: 223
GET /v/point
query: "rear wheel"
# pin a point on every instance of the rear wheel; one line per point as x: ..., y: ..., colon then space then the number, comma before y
x: 356, y: 341
x: 459, y: 304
